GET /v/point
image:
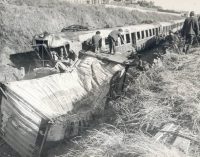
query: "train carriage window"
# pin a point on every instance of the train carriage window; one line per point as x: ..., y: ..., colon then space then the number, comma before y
x: 133, y: 37
x: 147, y: 33
x: 156, y: 31
x: 128, y: 40
x: 138, y: 35
x: 150, y: 32
x: 142, y: 34
x: 153, y: 31
x: 106, y: 41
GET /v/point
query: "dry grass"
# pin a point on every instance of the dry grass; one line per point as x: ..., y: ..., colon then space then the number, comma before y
x: 169, y: 93
x: 112, y: 142
x: 161, y: 95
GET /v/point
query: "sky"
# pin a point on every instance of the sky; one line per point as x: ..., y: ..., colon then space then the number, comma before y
x: 187, y: 5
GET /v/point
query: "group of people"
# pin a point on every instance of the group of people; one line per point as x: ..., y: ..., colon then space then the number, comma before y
x: 112, y: 41
x: 190, y: 32
x: 64, y: 60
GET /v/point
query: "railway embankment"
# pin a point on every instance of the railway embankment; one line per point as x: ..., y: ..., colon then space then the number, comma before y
x: 21, y: 20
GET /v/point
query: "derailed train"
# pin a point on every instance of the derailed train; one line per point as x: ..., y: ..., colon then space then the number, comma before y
x: 38, y: 112
x: 138, y: 37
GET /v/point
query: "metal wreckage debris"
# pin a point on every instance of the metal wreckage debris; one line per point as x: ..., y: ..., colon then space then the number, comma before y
x: 55, y: 107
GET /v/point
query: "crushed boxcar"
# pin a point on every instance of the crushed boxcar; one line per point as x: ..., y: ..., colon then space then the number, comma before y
x: 38, y: 112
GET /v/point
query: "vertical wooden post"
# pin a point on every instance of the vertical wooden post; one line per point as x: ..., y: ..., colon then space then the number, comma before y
x: 41, y: 138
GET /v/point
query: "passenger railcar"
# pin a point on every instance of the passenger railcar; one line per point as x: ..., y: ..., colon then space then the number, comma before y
x: 138, y: 37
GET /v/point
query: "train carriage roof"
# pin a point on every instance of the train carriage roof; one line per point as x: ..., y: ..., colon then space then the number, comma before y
x: 163, y: 24
x: 84, y: 35
x: 172, y: 22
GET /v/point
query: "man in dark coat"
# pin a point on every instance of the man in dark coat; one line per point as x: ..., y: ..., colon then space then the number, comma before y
x: 113, y: 38
x: 199, y: 27
x: 199, y: 21
x: 97, y: 42
x: 190, y: 30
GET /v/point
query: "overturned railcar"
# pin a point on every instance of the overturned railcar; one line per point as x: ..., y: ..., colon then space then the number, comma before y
x: 39, y: 112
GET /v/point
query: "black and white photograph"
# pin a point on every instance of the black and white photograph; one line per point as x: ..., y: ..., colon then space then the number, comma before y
x: 99, y: 78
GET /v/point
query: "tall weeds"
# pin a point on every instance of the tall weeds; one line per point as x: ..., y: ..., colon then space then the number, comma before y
x: 168, y: 93
x: 112, y: 142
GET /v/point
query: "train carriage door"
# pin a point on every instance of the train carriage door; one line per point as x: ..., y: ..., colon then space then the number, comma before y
x: 133, y: 37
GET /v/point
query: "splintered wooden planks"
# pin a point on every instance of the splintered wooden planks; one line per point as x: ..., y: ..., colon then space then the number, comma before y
x: 175, y: 136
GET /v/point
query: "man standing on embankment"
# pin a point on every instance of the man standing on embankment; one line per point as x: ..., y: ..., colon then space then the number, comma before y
x: 113, y: 38
x: 97, y: 42
x: 190, y: 30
